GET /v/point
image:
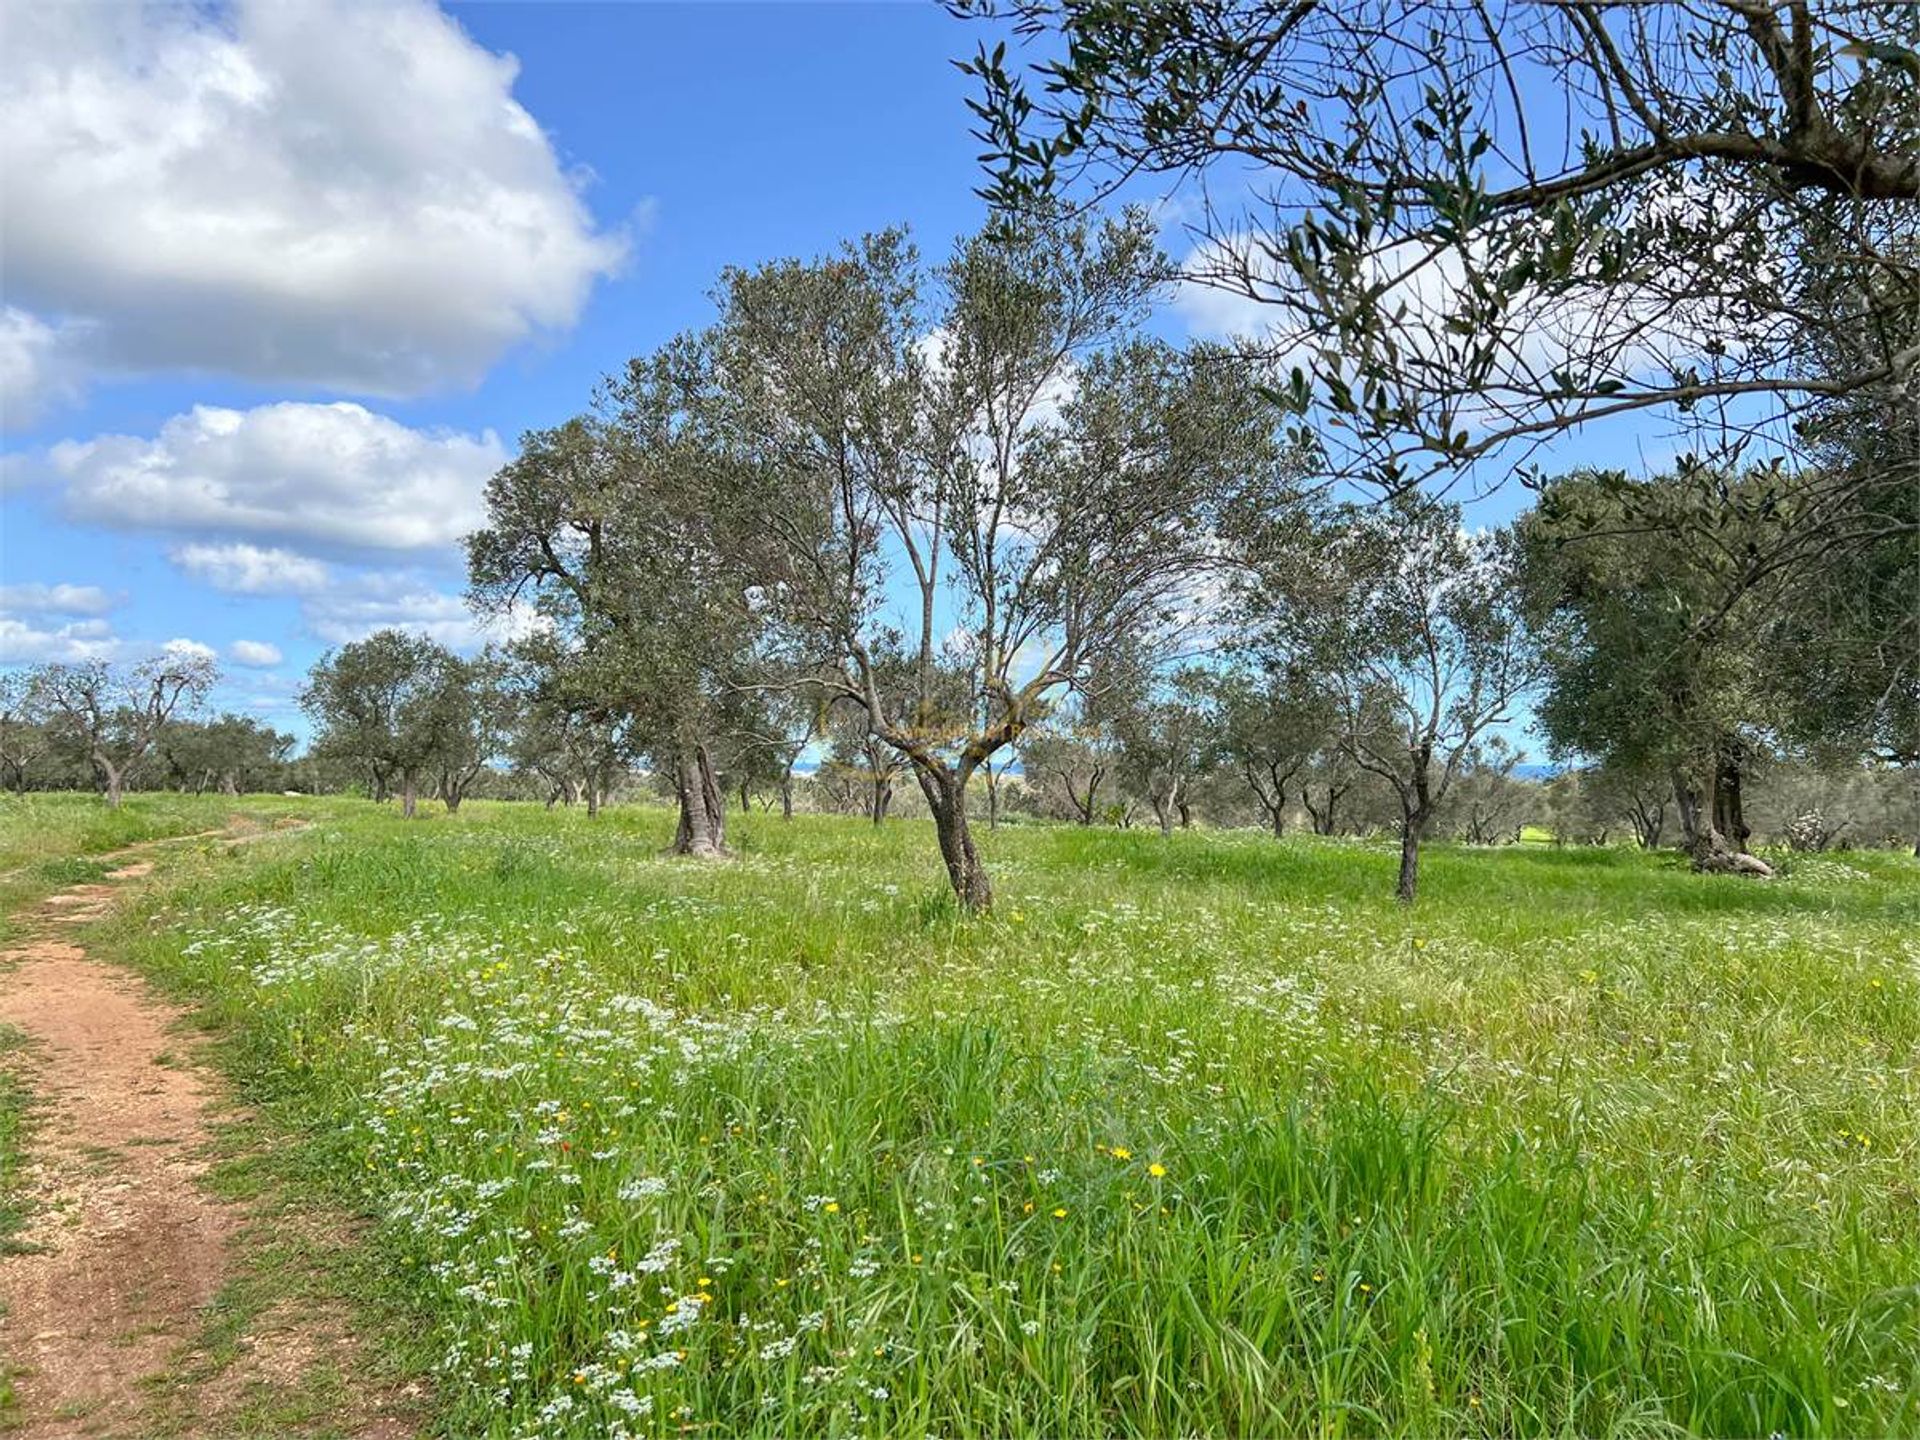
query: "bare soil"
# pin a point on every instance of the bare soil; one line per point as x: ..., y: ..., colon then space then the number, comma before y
x: 125, y: 1249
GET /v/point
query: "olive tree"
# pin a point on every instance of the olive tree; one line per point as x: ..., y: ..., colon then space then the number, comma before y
x: 615, y: 523
x: 1270, y: 724
x: 1655, y: 667
x: 1166, y: 743
x: 1416, y: 628
x: 236, y: 753
x: 114, y: 714
x: 571, y: 741
x: 393, y: 702
x: 1074, y: 750
x: 1043, y: 481
x: 1466, y: 230
x: 486, y: 710
x: 23, y: 736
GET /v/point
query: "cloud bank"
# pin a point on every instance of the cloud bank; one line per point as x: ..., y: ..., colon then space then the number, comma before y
x: 338, y: 193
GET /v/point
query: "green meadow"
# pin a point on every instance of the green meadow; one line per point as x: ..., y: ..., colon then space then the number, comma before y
x: 1192, y: 1136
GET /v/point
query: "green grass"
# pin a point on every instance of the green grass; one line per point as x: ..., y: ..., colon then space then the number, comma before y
x: 1199, y: 1136
x: 14, y: 1098
x: 48, y: 842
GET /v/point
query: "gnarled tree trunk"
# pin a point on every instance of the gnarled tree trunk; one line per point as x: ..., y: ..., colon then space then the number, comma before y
x: 1413, y: 828
x: 409, y: 794
x: 1729, y: 816
x: 702, y: 830
x: 1416, y: 809
x: 1162, y: 811
x: 1700, y: 816
x: 947, y: 798
x: 113, y: 780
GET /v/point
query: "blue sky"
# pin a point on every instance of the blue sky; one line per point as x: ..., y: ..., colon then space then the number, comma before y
x: 286, y: 279
x: 692, y: 136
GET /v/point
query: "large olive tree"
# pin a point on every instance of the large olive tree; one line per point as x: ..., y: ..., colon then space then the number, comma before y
x: 1042, y: 480
x: 614, y: 526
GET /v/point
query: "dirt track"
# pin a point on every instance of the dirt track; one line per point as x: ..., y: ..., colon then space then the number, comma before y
x: 124, y: 1248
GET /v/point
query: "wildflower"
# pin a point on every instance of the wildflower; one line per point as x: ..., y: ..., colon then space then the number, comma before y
x: 1060, y: 1212
x: 1120, y: 1152
x: 832, y: 1207
x: 1157, y: 1170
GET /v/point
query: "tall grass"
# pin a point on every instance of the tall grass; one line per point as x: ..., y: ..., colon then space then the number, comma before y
x: 1199, y: 1136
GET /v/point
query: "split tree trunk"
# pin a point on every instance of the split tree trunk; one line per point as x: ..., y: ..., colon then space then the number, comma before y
x: 1163, y: 812
x: 1729, y: 816
x: 1700, y: 818
x: 703, y: 819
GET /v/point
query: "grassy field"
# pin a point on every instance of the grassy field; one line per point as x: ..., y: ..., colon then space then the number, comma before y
x: 48, y: 842
x: 1199, y: 1136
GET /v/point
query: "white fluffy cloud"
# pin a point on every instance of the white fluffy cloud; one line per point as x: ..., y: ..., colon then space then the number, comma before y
x: 331, y: 477
x: 332, y: 192
x: 254, y: 654
x: 1231, y: 287
x: 182, y: 649
x: 242, y: 569
x: 24, y: 643
x: 38, y: 599
x: 352, y: 611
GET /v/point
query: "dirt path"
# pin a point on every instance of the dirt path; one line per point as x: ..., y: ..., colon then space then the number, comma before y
x: 125, y: 1249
